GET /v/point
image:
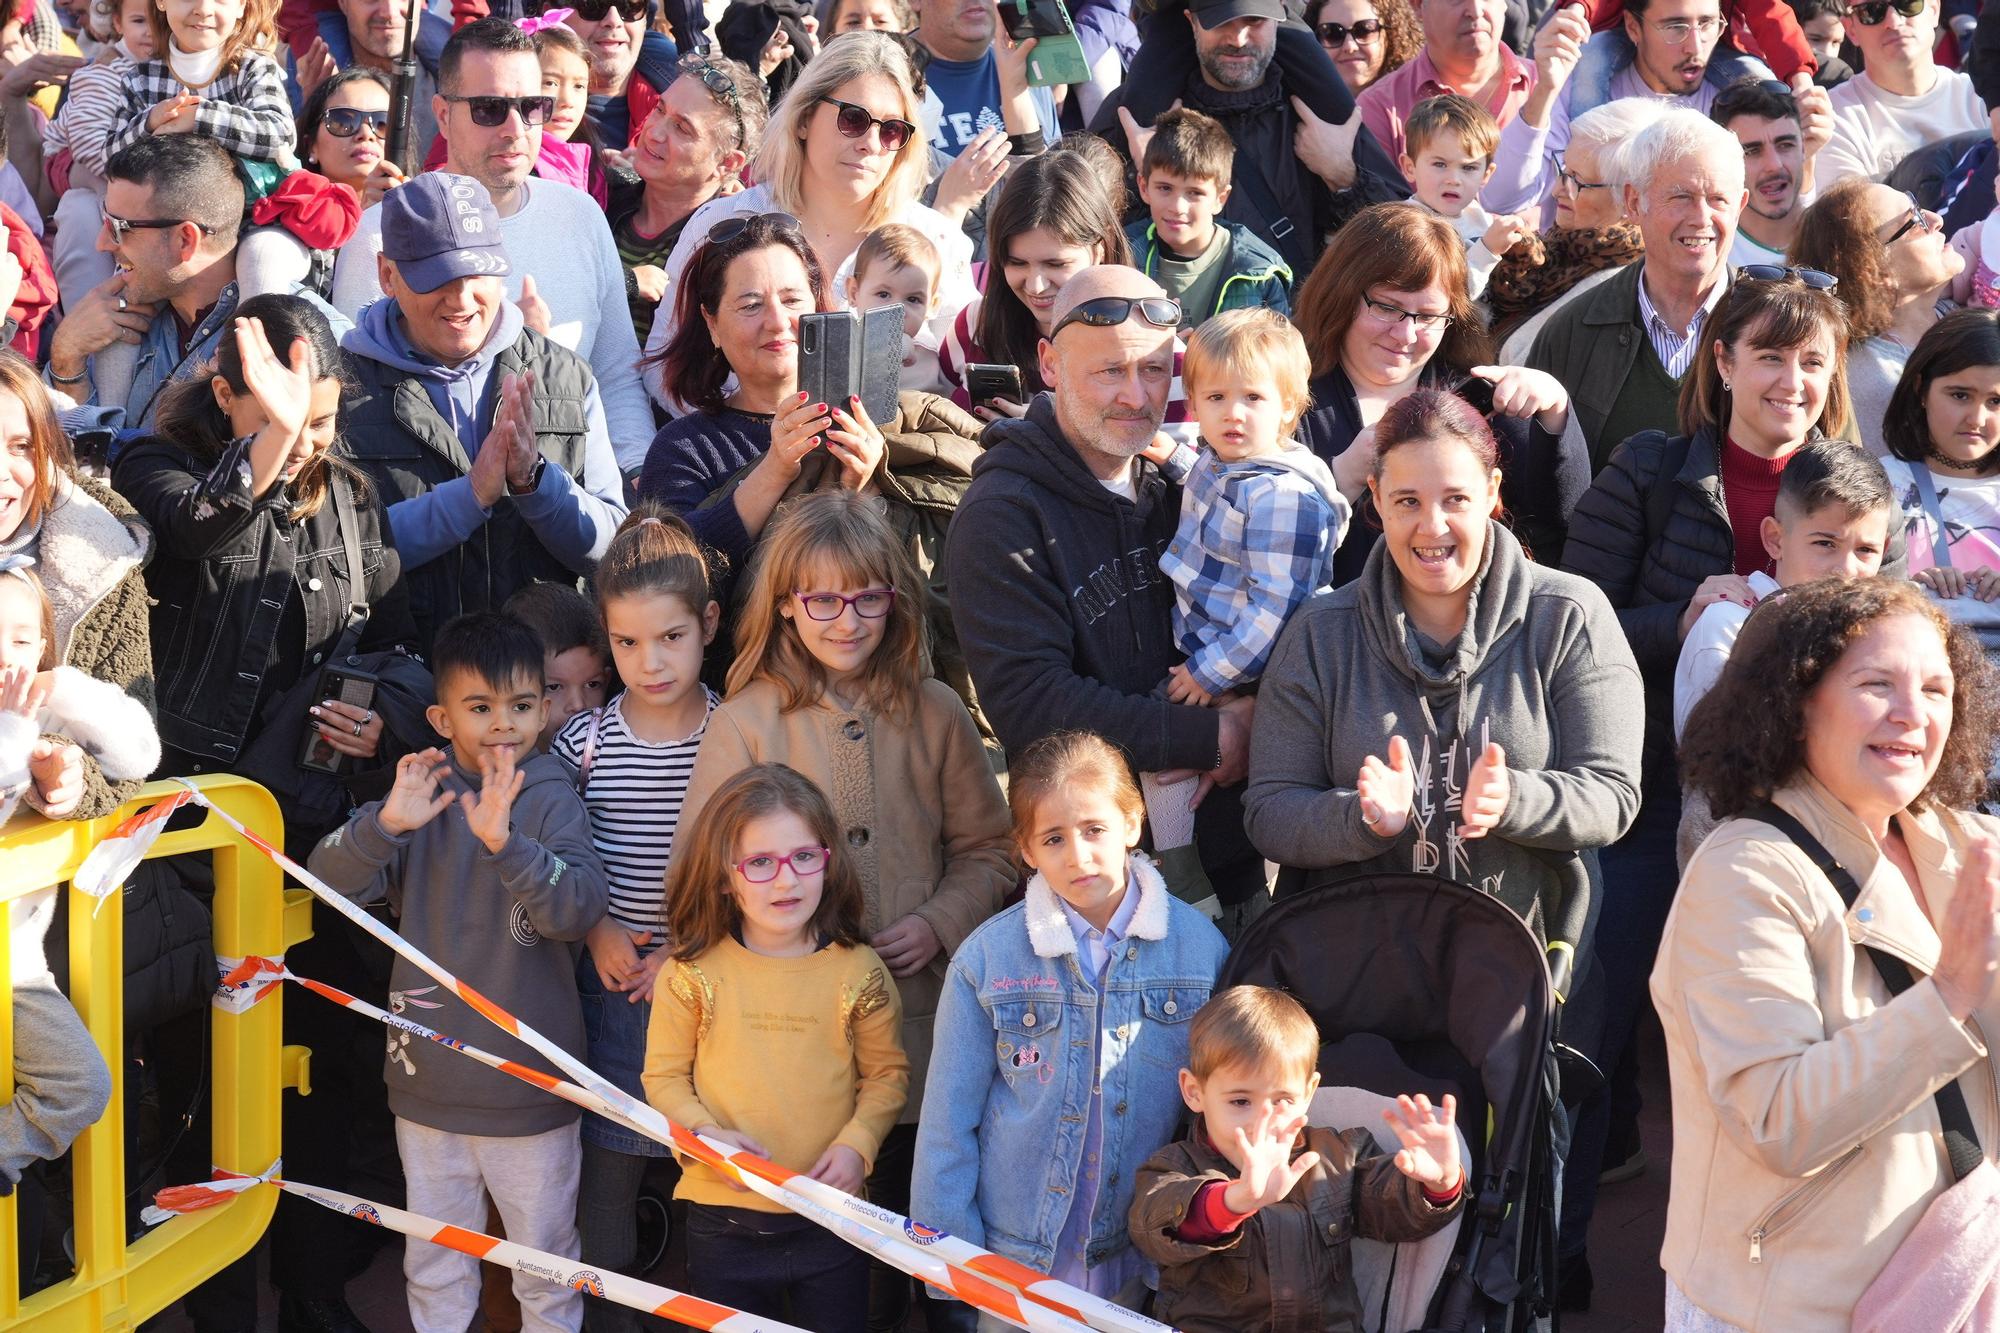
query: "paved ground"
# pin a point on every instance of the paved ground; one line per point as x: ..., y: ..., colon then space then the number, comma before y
x: 1625, y: 1246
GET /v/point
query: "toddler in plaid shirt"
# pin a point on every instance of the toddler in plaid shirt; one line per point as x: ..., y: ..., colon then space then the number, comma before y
x: 1260, y: 520
x: 208, y: 77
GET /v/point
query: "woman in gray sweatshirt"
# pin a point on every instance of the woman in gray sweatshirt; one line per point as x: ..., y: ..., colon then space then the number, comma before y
x: 1457, y: 710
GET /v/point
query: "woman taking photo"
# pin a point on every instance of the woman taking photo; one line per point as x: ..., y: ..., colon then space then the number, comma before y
x: 1942, y: 432
x: 1806, y: 1136
x: 1366, y: 39
x: 88, y: 548
x: 1387, y: 310
x: 843, y: 155
x: 1452, y: 665
x: 1894, y: 268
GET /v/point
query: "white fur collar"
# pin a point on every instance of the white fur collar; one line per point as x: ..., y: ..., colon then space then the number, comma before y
x: 1048, y: 928
x: 83, y: 552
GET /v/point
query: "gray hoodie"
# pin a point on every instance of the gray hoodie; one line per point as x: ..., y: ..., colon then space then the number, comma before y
x: 1541, y: 667
x: 498, y: 924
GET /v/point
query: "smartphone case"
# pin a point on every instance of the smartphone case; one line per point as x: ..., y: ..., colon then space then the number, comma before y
x: 844, y: 354
x: 1058, y: 57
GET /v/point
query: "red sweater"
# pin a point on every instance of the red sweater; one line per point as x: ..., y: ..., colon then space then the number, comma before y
x: 1773, y: 28
x: 1750, y: 493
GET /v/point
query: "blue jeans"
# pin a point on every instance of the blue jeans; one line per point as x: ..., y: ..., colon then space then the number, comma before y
x: 777, y: 1265
x: 615, y: 1035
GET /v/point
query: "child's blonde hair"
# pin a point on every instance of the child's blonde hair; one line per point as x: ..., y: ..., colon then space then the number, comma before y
x: 1244, y: 342
x: 1252, y: 1027
x: 33, y: 580
x: 837, y: 535
x: 256, y: 32
x: 899, y: 245
x: 1478, y: 133
x: 1058, y: 762
x: 701, y: 906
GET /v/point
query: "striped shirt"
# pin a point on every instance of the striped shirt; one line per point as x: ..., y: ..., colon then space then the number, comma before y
x: 244, y: 109
x: 92, y: 106
x: 1676, y: 347
x: 633, y: 791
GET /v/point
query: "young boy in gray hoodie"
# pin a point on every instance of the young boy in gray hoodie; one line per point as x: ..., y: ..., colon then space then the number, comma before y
x: 485, y: 852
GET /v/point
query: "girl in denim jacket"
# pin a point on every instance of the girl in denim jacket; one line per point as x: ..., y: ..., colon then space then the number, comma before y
x: 1061, y: 1032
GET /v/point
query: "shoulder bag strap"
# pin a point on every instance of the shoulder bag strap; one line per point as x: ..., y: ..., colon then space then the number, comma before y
x: 589, y: 755
x: 1960, y: 1139
x: 1927, y: 493
x: 357, y: 588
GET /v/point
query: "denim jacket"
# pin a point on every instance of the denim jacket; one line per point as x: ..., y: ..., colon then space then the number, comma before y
x: 1006, y: 1107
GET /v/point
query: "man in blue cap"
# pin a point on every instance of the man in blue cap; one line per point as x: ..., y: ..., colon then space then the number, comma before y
x: 487, y: 439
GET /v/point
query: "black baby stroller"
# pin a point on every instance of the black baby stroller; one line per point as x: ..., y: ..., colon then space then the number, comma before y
x: 1420, y: 984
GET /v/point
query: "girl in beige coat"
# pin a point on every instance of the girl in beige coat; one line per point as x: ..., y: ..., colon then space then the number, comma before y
x: 1806, y: 1141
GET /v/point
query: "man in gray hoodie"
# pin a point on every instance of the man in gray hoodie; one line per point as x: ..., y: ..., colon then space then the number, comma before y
x: 487, y: 439
x: 486, y: 854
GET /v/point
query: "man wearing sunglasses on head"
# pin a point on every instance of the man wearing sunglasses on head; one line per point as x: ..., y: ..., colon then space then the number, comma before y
x: 1902, y: 99
x: 1053, y: 563
x: 490, y: 110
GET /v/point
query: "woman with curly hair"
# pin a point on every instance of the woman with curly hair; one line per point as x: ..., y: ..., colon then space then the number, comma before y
x: 1894, y: 267
x: 1806, y: 1134
x: 1366, y: 39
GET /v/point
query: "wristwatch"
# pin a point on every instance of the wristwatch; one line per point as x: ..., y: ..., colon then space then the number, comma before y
x: 534, y: 480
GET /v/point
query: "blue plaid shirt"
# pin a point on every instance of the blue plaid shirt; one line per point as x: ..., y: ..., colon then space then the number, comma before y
x: 1256, y: 539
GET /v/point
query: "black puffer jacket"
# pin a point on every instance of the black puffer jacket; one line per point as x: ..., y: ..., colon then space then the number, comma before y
x: 1647, y: 532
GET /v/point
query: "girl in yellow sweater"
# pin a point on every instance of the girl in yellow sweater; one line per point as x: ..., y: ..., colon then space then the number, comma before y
x: 776, y: 1029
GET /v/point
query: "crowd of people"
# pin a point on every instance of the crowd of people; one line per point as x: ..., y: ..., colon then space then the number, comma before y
x: 1554, y: 448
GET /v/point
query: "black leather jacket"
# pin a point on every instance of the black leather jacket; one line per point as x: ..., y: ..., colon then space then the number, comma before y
x: 227, y: 565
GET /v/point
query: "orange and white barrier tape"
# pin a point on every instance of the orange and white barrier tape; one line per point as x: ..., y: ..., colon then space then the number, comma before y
x: 1001, y: 1287
x: 551, y: 1268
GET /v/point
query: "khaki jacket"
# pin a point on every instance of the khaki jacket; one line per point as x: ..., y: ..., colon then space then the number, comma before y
x: 1806, y: 1143
x: 919, y: 807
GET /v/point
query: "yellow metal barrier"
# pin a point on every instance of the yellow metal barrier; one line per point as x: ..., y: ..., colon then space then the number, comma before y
x: 117, y: 1285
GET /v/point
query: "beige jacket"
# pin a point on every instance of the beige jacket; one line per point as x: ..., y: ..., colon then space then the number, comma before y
x: 1806, y: 1143
x: 919, y: 806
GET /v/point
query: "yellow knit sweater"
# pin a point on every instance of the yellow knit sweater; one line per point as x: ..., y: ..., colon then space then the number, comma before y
x: 798, y: 1053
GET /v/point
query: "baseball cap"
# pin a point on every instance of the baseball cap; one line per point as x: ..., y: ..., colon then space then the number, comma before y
x: 1211, y: 13
x: 438, y: 227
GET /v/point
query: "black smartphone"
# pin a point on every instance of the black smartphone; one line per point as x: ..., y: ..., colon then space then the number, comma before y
x: 344, y: 685
x: 844, y: 354
x: 984, y: 383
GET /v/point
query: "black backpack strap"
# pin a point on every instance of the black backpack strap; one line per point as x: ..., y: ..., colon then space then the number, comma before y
x: 1961, y: 1140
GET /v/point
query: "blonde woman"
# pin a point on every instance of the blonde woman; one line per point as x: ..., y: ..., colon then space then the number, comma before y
x: 844, y: 154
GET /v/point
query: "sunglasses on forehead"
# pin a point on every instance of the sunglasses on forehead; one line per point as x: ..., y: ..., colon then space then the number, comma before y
x: 730, y: 228
x: 1811, y: 277
x: 491, y: 111
x: 1107, y: 312
x: 719, y: 85
x: 1871, y: 12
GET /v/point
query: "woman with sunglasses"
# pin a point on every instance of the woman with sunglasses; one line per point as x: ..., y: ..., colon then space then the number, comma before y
x: 843, y: 156
x: 1902, y: 99
x: 1386, y: 311
x: 1366, y: 39
x: 343, y: 133
x: 1895, y: 271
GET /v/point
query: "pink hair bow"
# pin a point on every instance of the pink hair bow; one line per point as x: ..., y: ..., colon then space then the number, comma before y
x: 548, y: 19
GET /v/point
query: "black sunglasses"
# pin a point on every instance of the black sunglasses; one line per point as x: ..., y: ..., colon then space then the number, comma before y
x: 729, y: 229
x: 1871, y: 12
x: 119, y: 226
x: 1811, y: 277
x: 1336, y: 34
x: 344, y: 122
x: 491, y: 111
x: 593, y: 11
x: 1919, y: 218
x: 853, y: 121
x: 1107, y: 312
x: 719, y: 85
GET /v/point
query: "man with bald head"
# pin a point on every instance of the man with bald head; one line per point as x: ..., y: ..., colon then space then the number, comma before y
x: 1053, y: 562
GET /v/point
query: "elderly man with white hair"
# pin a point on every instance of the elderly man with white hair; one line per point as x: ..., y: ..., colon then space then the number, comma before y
x: 1623, y: 346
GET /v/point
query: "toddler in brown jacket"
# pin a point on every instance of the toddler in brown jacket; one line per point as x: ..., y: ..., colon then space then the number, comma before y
x: 1249, y: 1218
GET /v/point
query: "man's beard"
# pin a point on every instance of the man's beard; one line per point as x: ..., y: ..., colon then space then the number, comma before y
x: 1235, y: 79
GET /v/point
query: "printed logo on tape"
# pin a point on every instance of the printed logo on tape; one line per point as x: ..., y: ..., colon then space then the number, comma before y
x: 587, y: 1282
x: 922, y: 1234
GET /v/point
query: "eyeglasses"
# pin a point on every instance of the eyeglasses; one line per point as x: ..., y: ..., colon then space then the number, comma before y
x: 1574, y: 183
x: 593, y: 11
x: 804, y: 861
x: 730, y: 228
x: 1336, y: 34
x: 1871, y: 12
x: 1920, y: 218
x: 344, y: 122
x: 1392, y: 315
x: 1107, y: 312
x: 1811, y: 277
x: 869, y: 603
x: 491, y: 111
x: 853, y: 121
x: 719, y: 85
x: 1677, y: 31
x: 119, y: 226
